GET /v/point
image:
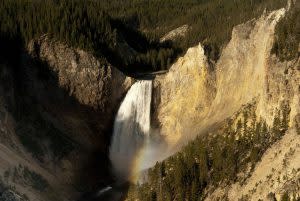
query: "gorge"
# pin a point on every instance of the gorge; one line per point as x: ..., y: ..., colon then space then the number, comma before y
x: 217, y: 92
x: 221, y: 122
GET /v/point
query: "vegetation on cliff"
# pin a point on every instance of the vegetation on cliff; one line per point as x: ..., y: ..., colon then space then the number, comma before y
x: 129, y: 39
x: 210, y: 21
x: 224, y: 156
x: 85, y: 25
x: 287, y: 43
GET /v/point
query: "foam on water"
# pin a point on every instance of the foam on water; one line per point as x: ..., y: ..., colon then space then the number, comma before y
x: 131, y: 135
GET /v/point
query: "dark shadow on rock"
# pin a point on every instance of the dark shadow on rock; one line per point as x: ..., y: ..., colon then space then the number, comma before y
x: 115, y: 192
x: 38, y: 96
x: 88, y: 128
x: 130, y: 148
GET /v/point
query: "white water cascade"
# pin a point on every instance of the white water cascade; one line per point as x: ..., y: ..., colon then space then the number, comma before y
x: 131, y: 131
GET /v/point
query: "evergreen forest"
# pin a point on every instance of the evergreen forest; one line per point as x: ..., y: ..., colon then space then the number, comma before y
x: 105, y: 28
x: 224, y: 156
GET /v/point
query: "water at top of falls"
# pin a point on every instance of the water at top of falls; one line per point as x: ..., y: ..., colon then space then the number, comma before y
x: 131, y: 129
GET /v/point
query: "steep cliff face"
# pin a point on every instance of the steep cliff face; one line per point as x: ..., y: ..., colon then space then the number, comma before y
x: 79, y: 77
x: 56, y: 115
x: 193, y: 96
x: 184, y: 95
x: 91, y: 81
x: 15, y: 138
x: 242, y: 68
x: 281, y: 85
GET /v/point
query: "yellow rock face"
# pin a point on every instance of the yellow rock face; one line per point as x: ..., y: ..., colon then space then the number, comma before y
x: 194, y: 96
x: 185, y: 93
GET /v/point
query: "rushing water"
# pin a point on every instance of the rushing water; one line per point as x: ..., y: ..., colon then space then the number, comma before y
x: 131, y: 131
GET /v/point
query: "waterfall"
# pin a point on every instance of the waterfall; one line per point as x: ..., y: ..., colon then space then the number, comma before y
x: 131, y: 130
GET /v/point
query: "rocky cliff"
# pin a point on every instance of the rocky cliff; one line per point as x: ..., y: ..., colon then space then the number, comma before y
x: 57, y: 110
x: 196, y: 95
x: 91, y: 81
x: 183, y: 96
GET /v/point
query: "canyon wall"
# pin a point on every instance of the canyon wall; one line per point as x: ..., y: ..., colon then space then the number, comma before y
x: 183, y: 96
x: 57, y: 108
x: 195, y: 95
x: 91, y: 81
x: 75, y: 76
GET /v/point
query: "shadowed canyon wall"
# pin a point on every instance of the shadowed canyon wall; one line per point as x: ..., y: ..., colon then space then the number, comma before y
x: 57, y: 110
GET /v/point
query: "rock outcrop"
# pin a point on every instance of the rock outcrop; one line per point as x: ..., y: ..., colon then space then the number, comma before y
x: 75, y: 76
x: 91, y: 81
x: 57, y: 109
x: 175, y: 34
x: 184, y: 94
x: 194, y: 96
